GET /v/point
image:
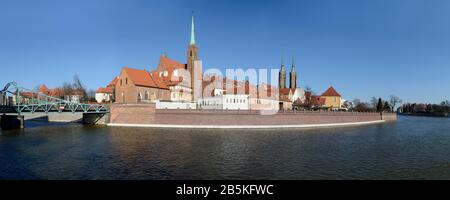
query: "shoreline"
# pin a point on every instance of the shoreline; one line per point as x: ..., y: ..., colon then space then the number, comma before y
x: 298, y: 126
x: 438, y: 115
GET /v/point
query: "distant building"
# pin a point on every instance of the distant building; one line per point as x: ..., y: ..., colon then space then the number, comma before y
x: 71, y: 95
x: 106, y: 94
x: 140, y: 86
x: 167, y: 83
x: 333, y: 99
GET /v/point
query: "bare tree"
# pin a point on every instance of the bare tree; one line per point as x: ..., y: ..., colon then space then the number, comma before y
x: 67, y: 89
x: 394, y: 100
x: 79, y: 87
x: 374, y: 102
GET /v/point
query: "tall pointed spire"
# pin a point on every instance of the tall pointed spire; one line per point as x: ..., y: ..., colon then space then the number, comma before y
x: 192, y: 31
x: 293, y: 76
x: 293, y: 65
x: 282, y: 75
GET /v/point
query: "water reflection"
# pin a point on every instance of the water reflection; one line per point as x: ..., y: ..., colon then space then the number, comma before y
x: 414, y: 148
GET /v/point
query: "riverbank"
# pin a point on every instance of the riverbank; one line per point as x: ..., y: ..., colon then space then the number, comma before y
x: 145, y: 115
x: 301, y: 126
x: 426, y: 114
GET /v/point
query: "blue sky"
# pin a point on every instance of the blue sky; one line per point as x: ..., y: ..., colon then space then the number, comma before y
x: 363, y: 48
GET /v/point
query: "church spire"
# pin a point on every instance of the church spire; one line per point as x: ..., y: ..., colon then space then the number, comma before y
x: 293, y: 76
x: 293, y: 65
x: 282, y: 75
x: 192, y: 42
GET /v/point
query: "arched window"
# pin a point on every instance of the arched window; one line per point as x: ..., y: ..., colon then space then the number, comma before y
x: 146, y: 96
x: 126, y: 81
x: 123, y: 97
x: 139, y: 97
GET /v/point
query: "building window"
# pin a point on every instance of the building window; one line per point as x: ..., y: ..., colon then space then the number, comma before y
x: 121, y: 82
x: 126, y: 81
x: 146, y: 96
x: 139, y: 98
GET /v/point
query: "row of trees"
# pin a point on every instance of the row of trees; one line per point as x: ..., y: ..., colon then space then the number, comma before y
x: 442, y: 108
x: 76, y: 87
x: 375, y: 104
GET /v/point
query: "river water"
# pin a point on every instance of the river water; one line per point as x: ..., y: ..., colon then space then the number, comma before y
x: 411, y: 148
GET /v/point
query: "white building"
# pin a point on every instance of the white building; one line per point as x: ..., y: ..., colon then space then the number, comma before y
x: 102, y: 97
x: 299, y: 93
x: 225, y: 102
x: 174, y: 105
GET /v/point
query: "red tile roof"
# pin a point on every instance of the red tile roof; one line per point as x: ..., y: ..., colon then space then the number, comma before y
x: 113, y: 82
x: 140, y: 77
x: 331, y: 92
x: 165, y: 63
x: 43, y: 88
x: 144, y: 78
x: 285, y: 91
x: 169, y: 65
x: 107, y: 90
x: 317, y: 100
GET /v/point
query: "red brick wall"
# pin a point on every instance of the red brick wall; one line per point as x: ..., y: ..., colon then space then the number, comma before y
x: 146, y: 114
x: 132, y: 113
x: 126, y: 86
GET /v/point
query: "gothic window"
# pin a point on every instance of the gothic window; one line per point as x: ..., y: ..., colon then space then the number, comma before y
x: 146, y: 97
x: 139, y: 97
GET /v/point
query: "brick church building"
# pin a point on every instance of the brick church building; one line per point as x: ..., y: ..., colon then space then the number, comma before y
x: 170, y: 81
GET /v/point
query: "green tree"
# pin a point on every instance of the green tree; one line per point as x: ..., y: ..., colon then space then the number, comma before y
x: 380, y: 105
x: 387, y: 107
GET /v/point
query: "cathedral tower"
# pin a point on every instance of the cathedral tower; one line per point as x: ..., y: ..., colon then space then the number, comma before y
x: 282, y: 76
x: 293, y: 76
x: 192, y: 56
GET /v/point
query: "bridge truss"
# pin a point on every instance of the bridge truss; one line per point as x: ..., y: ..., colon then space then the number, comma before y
x: 16, y: 99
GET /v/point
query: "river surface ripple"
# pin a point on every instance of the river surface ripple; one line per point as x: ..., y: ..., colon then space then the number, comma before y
x: 411, y: 148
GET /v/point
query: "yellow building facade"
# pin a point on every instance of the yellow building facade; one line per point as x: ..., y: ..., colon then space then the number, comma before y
x: 333, y: 99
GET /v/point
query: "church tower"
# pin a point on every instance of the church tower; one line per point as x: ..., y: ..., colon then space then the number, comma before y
x: 192, y: 56
x: 293, y: 75
x: 282, y: 76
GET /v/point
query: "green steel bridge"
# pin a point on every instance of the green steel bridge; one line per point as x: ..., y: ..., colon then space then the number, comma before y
x: 16, y: 99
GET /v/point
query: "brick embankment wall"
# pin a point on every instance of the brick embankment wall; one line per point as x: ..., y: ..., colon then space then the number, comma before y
x: 389, y: 116
x: 254, y: 118
x: 132, y: 113
x: 146, y: 114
